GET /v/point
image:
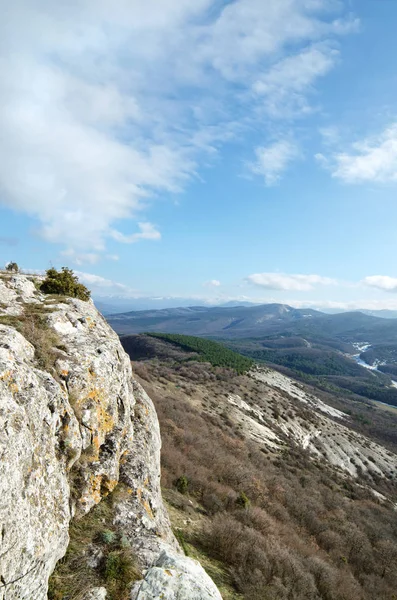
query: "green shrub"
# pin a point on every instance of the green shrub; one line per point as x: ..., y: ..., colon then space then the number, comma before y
x: 119, y: 570
x: 182, y: 484
x: 243, y: 500
x: 64, y: 282
x: 12, y: 267
x: 74, y: 574
x: 107, y: 536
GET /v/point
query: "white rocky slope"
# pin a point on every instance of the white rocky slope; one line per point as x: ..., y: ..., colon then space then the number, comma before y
x: 87, y: 416
x: 309, y: 422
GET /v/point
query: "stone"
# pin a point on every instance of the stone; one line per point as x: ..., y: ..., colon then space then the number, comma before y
x: 84, y: 424
x: 176, y: 577
x: 98, y: 593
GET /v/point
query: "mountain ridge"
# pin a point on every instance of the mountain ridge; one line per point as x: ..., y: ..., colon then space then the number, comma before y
x: 252, y: 321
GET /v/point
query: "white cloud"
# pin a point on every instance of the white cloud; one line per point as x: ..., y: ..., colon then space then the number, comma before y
x: 271, y: 161
x: 361, y: 304
x: 147, y: 232
x: 381, y: 282
x: 372, y: 159
x: 282, y: 281
x: 104, y: 105
x: 285, y: 86
x: 80, y: 258
x: 102, y: 286
x: 212, y: 283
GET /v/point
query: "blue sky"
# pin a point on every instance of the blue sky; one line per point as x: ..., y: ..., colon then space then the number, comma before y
x: 209, y: 150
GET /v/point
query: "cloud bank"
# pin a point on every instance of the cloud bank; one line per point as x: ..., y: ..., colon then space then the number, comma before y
x: 282, y: 281
x: 381, y: 282
x: 105, y: 105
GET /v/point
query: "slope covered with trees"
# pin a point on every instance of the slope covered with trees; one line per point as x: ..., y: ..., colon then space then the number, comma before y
x: 208, y: 351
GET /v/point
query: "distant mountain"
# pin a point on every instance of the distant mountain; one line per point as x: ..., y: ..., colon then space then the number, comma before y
x: 238, y: 321
x: 109, y: 305
x: 383, y: 314
x: 235, y: 303
x: 257, y: 321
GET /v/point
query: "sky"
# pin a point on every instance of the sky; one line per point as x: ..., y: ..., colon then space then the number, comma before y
x: 212, y: 150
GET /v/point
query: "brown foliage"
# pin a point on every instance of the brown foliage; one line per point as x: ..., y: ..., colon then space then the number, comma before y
x: 309, y: 532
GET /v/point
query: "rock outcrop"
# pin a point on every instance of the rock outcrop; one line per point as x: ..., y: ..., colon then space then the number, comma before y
x: 73, y: 424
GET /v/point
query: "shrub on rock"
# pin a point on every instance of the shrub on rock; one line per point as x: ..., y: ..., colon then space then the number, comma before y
x: 65, y: 283
x: 12, y: 267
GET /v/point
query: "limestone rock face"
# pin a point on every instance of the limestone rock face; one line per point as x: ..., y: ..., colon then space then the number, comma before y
x: 68, y: 434
x: 34, y: 489
x: 176, y: 577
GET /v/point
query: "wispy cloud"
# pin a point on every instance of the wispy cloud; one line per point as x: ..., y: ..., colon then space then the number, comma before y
x: 105, y: 105
x: 271, y: 161
x: 147, y: 232
x: 283, y: 281
x: 372, y: 159
x: 102, y: 286
x: 81, y: 258
x: 286, y: 86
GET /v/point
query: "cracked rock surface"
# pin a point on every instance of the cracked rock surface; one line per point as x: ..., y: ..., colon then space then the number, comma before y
x: 81, y: 425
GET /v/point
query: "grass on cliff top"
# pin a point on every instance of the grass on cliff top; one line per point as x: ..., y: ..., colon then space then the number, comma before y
x: 112, y: 563
x: 32, y: 324
x: 208, y: 351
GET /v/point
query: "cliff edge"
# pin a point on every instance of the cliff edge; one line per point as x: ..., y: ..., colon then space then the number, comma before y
x: 74, y: 426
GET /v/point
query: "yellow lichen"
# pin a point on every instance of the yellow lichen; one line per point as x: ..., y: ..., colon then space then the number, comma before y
x: 124, y: 457
x: 102, y: 420
x: 8, y: 378
x: 149, y: 511
x: 95, y: 485
x: 99, y: 487
x: 108, y: 485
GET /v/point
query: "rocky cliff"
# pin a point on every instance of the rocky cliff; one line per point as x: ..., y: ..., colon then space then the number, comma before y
x: 74, y: 425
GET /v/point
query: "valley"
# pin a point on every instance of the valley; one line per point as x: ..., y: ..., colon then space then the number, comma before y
x: 353, y: 354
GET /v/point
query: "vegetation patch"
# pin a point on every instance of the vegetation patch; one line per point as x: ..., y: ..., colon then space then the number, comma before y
x: 98, y: 555
x: 64, y: 282
x: 12, y: 267
x: 271, y: 525
x: 33, y: 325
x: 323, y: 367
x: 208, y: 351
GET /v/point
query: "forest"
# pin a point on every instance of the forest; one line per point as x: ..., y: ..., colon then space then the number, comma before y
x: 208, y: 351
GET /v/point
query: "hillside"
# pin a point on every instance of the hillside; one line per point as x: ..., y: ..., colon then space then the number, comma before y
x: 281, y: 491
x: 350, y: 352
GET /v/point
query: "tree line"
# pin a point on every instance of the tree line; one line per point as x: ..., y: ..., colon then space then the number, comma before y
x: 208, y: 351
